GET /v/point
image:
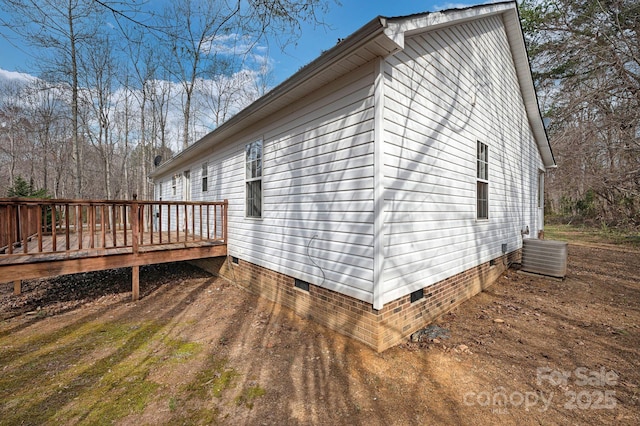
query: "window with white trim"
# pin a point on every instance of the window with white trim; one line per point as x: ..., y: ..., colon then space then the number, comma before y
x: 482, y: 181
x: 205, y: 177
x: 253, y: 179
x: 174, y: 180
x: 540, y: 189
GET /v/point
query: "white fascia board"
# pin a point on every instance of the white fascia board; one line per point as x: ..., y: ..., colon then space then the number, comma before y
x: 527, y: 88
x: 399, y: 28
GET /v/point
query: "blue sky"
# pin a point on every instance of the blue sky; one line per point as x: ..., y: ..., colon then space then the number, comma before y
x: 341, y: 20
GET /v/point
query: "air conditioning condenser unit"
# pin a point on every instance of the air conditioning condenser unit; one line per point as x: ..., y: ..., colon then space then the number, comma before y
x: 545, y: 257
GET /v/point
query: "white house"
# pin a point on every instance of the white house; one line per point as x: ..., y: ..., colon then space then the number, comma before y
x: 387, y: 181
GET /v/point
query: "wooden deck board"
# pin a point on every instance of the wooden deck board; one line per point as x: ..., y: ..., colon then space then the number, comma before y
x: 44, y: 262
x: 34, y: 253
x: 51, y: 268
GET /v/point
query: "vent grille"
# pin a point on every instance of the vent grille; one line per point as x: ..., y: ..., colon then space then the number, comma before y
x: 545, y: 257
x: 301, y: 284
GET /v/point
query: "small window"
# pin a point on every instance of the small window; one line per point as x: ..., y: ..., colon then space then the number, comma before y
x: 205, y: 177
x: 174, y: 181
x: 482, y: 181
x: 540, y: 190
x: 253, y: 179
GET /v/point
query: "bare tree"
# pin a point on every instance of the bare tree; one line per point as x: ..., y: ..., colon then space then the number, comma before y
x: 63, y: 30
x: 124, y: 123
x: 85, y: 113
x: 47, y: 112
x: 14, y: 124
x: 143, y: 64
x: 222, y: 96
x: 160, y: 91
x: 194, y: 24
x: 99, y: 69
x: 586, y: 62
x: 203, y: 33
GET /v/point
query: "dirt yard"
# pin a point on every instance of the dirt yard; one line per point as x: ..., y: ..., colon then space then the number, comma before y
x: 197, y: 350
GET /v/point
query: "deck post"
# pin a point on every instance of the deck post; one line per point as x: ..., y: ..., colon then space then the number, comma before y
x: 225, y: 217
x: 135, y: 226
x: 135, y: 283
x: 17, y: 287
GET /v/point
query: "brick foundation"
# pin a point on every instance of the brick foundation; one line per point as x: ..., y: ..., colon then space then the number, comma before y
x: 355, y: 318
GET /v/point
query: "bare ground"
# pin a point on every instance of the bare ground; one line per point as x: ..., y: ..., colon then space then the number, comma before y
x: 198, y: 350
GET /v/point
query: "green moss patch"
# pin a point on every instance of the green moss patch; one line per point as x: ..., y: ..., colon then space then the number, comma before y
x: 98, y: 372
x: 200, y: 416
x: 213, y: 380
x: 248, y: 395
x: 181, y: 350
x: 93, y: 373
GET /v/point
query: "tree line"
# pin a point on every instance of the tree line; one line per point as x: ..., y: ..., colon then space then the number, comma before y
x: 121, y: 83
x: 585, y: 58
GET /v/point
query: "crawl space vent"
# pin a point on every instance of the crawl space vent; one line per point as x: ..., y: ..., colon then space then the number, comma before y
x: 417, y: 295
x: 303, y: 285
x: 544, y: 257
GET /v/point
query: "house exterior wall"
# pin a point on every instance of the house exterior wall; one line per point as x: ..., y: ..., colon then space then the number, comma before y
x: 444, y: 92
x: 317, y: 210
x: 164, y: 191
x: 369, y: 186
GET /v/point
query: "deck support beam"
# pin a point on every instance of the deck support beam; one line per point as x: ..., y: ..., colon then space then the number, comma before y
x: 135, y: 283
x: 52, y: 268
x: 17, y: 287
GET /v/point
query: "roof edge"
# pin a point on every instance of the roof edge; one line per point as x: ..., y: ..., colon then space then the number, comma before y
x: 395, y: 29
x: 514, y: 31
x: 364, y: 34
x: 402, y: 26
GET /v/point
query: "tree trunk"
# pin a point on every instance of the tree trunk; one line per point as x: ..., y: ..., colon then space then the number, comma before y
x: 74, y: 106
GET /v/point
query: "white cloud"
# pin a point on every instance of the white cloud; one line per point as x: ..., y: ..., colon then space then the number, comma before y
x: 228, y: 44
x: 238, y: 46
x: 16, y: 76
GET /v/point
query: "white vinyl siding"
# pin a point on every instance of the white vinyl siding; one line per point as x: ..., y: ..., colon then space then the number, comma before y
x: 439, y: 97
x: 442, y: 94
x: 172, y: 190
x: 317, y: 189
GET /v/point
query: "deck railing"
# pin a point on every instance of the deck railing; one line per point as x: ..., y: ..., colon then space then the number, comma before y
x: 30, y: 226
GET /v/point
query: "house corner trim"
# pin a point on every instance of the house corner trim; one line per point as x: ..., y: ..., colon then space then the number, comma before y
x: 378, y: 185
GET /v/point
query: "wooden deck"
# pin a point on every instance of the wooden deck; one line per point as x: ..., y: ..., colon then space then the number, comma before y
x: 44, y: 238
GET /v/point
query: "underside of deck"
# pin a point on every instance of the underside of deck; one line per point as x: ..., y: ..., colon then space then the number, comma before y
x: 25, y: 267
